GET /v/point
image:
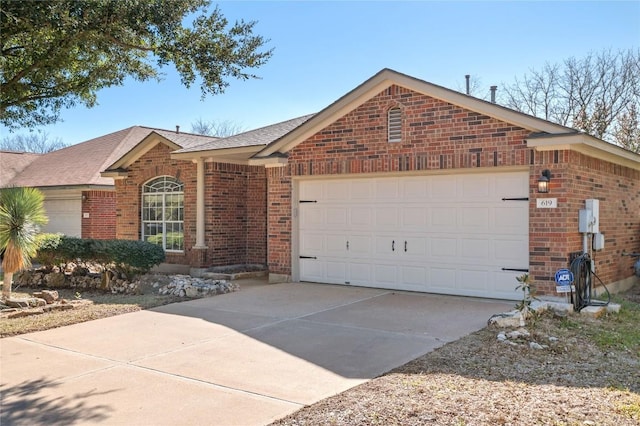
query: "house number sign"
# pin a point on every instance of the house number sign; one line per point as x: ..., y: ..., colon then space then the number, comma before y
x: 547, y: 203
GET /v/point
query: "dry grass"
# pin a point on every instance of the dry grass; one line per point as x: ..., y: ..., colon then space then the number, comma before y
x: 104, y: 305
x: 589, y: 376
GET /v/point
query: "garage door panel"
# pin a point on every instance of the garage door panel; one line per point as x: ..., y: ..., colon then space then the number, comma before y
x: 336, y: 218
x: 312, y: 243
x: 386, y: 218
x: 447, y: 233
x: 474, y: 250
x: 510, y: 252
x: 443, y: 188
x: 360, y: 273
x: 336, y: 271
x: 361, y: 217
x: 413, y: 248
x: 360, y: 246
x: 362, y: 190
x: 510, y: 185
x: 443, y: 219
x: 475, y: 189
x: 387, y: 190
x: 474, y: 219
x: 312, y: 270
x: 335, y: 244
x: 414, y: 218
x: 313, y: 218
x: 336, y: 190
x: 386, y: 275
x: 443, y: 248
x: 414, y: 276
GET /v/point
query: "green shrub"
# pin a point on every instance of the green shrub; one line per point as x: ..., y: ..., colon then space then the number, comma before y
x: 126, y: 255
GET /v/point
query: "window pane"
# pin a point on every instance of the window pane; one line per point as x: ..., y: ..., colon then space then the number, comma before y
x: 175, y: 236
x: 163, y: 212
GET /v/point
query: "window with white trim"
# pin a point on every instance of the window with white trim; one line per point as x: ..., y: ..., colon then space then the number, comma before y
x: 394, y: 124
x: 163, y: 213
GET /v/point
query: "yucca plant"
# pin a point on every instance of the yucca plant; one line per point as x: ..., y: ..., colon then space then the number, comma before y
x: 21, y: 215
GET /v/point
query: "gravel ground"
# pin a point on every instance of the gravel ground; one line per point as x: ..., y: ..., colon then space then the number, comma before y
x: 590, y: 375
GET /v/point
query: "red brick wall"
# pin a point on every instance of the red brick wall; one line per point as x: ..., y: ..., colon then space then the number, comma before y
x: 437, y: 135
x: 554, y: 232
x: 100, y: 207
x: 235, y: 204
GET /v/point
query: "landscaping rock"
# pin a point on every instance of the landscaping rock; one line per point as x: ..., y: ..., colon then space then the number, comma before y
x: 17, y: 303
x: 49, y: 296
x: 506, y: 320
x: 55, y: 279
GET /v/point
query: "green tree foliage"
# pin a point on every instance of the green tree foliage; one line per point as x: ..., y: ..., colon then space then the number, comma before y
x: 21, y: 215
x: 59, y: 53
x: 598, y: 94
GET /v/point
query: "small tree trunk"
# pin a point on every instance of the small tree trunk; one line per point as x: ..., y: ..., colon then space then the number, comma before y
x: 6, y: 286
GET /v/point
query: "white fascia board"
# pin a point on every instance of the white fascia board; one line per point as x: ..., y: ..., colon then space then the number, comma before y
x: 239, y: 155
x: 587, y: 145
x: 269, y: 161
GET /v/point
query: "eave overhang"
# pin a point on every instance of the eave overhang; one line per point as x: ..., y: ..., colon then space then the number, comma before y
x: 585, y: 144
x: 238, y: 155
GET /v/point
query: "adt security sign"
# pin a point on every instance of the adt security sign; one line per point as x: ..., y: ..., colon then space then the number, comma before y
x: 564, y: 279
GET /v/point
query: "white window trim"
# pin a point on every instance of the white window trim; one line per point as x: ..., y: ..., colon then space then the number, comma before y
x: 163, y: 222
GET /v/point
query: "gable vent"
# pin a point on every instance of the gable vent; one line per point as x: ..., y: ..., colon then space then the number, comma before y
x: 395, y: 124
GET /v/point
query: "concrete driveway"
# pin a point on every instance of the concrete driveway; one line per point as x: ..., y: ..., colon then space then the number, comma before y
x: 244, y: 358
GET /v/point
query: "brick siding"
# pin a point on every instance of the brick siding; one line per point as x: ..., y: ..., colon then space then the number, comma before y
x: 554, y: 232
x: 235, y: 204
x: 437, y: 135
x: 100, y: 207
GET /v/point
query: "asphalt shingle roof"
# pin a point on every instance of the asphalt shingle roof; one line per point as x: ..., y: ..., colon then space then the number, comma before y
x: 12, y: 163
x: 82, y: 163
x: 261, y: 136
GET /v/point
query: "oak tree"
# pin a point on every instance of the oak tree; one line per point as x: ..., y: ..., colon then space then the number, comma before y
x: 55, y: 54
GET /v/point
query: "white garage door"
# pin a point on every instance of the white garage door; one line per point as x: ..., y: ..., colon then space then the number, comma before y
x: 451, y: 234
x: 65, y: 216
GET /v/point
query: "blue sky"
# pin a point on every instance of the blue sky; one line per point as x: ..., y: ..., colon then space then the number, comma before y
x: 322, y: 50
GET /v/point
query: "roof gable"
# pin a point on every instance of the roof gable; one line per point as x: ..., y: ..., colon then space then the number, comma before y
x: 385, y: 79
x: 146, y: 142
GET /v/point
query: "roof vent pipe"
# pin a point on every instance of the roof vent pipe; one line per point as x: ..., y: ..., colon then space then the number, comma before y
x: 467, y: 77
x: 493, y: 94
x: 177, y: 129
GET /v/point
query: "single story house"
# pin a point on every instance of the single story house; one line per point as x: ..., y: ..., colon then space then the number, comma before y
x: 78, y: 200
x: 399, y: 184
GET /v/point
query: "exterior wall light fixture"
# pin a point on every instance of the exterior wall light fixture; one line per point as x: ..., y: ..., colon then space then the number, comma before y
x: 543, y: 182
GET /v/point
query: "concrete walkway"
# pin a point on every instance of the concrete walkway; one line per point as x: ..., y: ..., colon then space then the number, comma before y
x: 243, y: 358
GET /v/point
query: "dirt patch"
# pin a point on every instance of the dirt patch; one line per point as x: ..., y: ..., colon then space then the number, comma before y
x: 586, y: 375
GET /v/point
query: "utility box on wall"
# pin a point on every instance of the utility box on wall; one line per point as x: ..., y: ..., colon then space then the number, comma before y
x: 589, y: 218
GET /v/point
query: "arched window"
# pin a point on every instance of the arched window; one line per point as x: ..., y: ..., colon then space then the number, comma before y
x: 394, y: 124
x: 163, y: 213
